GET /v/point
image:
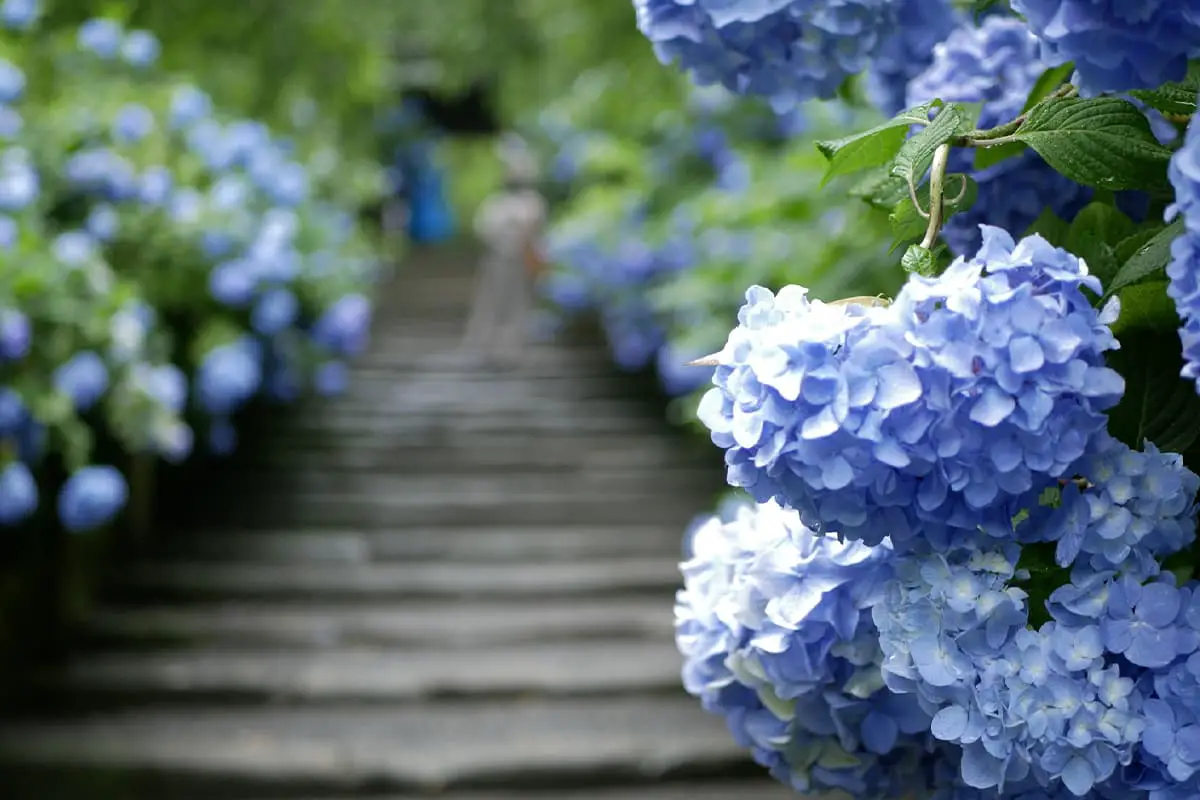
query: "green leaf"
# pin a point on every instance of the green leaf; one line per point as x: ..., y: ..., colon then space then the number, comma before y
x: 1050, y: 227
x: 1103, y: 142
x: 1158, y: 404
x: 1047, y: 82
x: 1136, y: 241
x: 1174, y: 98
x: 988, y: 156
x: 880, y: 188
x: 875, y: 146
x: 916, y: 154
x: 919, y: 260
x: 1094, y: 235
x: 980, y: 6
x: 1146, y: 307
x: 1148, y: 260
x: 960, y: 192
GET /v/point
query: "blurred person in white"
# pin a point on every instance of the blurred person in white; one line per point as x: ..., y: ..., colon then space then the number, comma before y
x: 509, y: 224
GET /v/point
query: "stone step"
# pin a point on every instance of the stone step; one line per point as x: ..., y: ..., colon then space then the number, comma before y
x: 416, y: 359
x: 371, y: 386
x: 575, y: 668
x: 554, y: 580
x: 460, y: 407
x: 454, y: 488
x: 484, y: 456
x: 399, y: 509
x: 493, y: 544
x: 192, y: 753
x: 461, y: 625
x: 529, y: 424
x: 446, y: 442
x: 748, y: 789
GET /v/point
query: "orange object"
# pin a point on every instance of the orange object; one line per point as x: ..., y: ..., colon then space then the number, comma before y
x: 534, y: 263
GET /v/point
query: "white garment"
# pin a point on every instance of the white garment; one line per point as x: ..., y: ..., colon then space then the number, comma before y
x: 506, y: 224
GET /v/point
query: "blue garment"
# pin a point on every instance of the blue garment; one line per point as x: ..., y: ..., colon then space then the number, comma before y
x: 431, y: 217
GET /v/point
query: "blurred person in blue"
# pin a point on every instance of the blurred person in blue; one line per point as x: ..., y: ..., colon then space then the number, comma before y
x: 508, y: 224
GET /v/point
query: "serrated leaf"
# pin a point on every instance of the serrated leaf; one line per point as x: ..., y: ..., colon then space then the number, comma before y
x: 1103, y: 142
x: 1093, y: 236
x: 920, y: 260
x: 1136, y: 241
x: 1146, y: 307
x: 989, y: 156
x: 959, y: 194
x: 1047, y: 82
x: 1178, y: 97
x: 879, y: 188
x: 1148, y: 260
x: 875, y: 146
x: 916, y: 155
x: 1158, y: 405
x: 1050, y: 227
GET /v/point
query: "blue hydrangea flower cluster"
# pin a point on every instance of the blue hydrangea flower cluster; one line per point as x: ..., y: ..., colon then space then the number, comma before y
x: 242, y: 218
x: 1116, y: 45
x: 1183, y: 273
x: 265, y: 242
x: 928, y: 419
x: 1098, y: 702
x: 786, y: 50
x: 775, y: 626
x: 614, y: 280
x: 908, y: 50
x: 996, y: 64
x: 1132, y: 511
x: 1026, y: 706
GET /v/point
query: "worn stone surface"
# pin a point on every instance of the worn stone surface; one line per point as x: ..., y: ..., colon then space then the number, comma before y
x: 454, y: 583
x: 463, y: 625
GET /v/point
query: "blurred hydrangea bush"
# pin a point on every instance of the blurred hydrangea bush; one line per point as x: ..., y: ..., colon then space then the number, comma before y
x: 165, y: 261
x: 656, y: 235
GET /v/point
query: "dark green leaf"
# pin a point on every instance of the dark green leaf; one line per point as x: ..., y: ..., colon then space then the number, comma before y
x: 1094, y: 235
x: 1039, y: 575
x: 960, y: 192
x: 1136, y: 241
x: 1174, y: 98
x: 1158, y: 405
x: 978, y: 7
x: 880, y: 188
x: 987, y: 156
x: 920, y: 260
x: 1050, y: 227
x: 1104, y: 142
x: 915, y: 156
x: 875, y: 146
x: 1145, y: 306
x: 1047, y: 82
x: 1148, y: 260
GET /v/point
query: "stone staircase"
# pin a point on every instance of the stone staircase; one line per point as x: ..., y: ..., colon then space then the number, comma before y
x: 450, y: 583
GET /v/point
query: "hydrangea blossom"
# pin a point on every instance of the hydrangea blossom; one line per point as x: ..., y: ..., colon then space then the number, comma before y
x: 91, y: 498
x: 1116, y: 44
x: 1136, y: 507
x: 995, y: 64
x: 907, y: 51
x: 1025, y: 705
x: 786, y: 50
x: 1183, y: 273
x: 775, y: 626
x: 931, y: 418
x: 1155, y: 629
x: 18, y: 493
x: 84, y: 379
